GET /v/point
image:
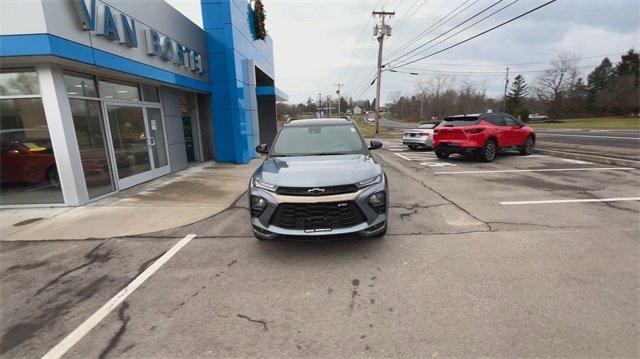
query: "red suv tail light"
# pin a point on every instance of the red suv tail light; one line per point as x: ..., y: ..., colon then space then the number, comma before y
x: 473, y: 131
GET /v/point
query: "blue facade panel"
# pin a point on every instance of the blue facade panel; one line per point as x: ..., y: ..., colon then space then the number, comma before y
x: 232, y: 50
x: 50, y: 45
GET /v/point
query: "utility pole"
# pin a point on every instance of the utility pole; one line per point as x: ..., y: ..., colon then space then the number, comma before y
x: 339, y: 97
x: 330, y: 103
x: 504, y: 99
x: 380, y: 31
x: 319, y: 112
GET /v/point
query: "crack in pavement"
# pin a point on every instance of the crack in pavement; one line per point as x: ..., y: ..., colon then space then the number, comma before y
x: 404, y: 171
x: 259, y: 321
x: 115, y: 340
x: 608, y: 204
x: 537, y: 225
x: 92, y: 257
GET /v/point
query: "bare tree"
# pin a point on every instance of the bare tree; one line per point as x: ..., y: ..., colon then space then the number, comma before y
x: 554, y: 84
x: 394, y: 97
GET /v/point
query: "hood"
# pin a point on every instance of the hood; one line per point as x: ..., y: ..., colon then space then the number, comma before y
x: 317, y: 171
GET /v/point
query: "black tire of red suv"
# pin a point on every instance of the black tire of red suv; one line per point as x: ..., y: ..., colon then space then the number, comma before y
x: 442, y: 155
x: 489, y: 151
x: 527, y: 148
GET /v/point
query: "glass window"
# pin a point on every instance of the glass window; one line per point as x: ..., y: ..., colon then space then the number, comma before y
x: 460, y: 121
x: 19, y: 82
x: 496, y: 120
x: 318, y: 140
x: 186, y: 99
x: 80, y: 85
x: 87, y: 120
x: 119, y: 91
x: 509, y: 121
x: 150, y: 94
x: 28, y: 170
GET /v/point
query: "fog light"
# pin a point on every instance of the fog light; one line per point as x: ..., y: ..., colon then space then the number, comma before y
x: 378, y: 201
x: 258, y: 205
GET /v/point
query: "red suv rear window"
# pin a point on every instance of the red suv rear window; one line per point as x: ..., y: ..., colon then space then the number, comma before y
x: 460, y: 121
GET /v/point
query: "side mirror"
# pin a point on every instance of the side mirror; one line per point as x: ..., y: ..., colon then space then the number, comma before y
x: 262, y: 148
x: 375, y: 145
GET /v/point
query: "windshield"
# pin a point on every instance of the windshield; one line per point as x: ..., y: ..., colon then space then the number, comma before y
x: 318, y: 140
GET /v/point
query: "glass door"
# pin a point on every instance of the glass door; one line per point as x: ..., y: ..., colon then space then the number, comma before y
x: 156, y: 137
x: 137, y: 139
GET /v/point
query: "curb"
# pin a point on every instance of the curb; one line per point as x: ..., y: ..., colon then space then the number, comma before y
x: 581, y: 156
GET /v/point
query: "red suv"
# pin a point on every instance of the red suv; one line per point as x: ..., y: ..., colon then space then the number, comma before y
x: 483, y: 135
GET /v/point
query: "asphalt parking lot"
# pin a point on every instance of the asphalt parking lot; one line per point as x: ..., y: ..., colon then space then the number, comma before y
x: 525, y: 256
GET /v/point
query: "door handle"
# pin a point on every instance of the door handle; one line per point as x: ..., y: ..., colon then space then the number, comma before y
x: 152, y: 141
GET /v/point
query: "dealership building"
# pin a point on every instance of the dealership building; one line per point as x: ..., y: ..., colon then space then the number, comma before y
x: 100, y: 95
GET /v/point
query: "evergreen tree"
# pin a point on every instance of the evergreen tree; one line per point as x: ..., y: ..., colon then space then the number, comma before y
x: 601, y: 78
x: 515, y: 99
x: 629, y: 65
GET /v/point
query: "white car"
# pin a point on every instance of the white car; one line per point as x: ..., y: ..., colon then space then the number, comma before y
x: 536, y: 117
x: 421, y: 137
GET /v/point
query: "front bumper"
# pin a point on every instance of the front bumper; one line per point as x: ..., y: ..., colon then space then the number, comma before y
x: 374, y: 222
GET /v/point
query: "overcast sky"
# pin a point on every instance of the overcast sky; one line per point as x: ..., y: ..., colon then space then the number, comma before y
x: 320, y: 43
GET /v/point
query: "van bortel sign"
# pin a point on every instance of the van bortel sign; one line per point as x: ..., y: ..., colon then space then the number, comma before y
x: 121, y: 28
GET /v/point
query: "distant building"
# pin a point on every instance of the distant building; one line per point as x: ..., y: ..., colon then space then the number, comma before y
x: 357, y: 110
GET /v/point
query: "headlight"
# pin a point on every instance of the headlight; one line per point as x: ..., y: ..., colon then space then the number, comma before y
x: 370, y: 181
x: 258, y: 205
x: 264, y: 185
x: 378, y: 201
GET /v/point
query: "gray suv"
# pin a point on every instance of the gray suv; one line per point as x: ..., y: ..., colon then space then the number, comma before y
x: 319, y: 181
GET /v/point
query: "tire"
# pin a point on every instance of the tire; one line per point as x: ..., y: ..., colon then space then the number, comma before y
x: 52, y: 176
x: 412, y: 147
x: 527, y: 148
x: 489, y: 151
x: 442, y: 155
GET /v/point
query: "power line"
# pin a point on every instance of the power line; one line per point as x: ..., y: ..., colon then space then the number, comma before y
x: 510, y: 64
x: 455, y: 27
x: 409, y: 14
x: 480, y: 34
x: 356, y: 53
x: 434, y: 27
x: 476, y: 73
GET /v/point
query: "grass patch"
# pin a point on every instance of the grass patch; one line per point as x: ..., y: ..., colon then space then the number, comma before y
x: 367, y: 129
x: 592, y: 123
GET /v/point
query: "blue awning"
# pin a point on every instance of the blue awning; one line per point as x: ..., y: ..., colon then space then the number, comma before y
x: 272, y: 90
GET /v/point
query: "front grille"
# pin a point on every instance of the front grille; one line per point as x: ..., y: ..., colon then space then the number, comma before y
x: 330, y: 215
x: 316, y: 191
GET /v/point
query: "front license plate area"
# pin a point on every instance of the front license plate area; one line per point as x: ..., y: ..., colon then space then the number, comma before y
x: 317, y: 224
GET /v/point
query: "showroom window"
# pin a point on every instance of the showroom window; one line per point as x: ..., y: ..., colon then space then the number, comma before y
x: 90, y: 133
x: 116, y: 90
x: 28, y: 171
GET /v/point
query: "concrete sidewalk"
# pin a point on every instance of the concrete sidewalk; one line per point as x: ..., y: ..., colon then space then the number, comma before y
x: 171, y: 201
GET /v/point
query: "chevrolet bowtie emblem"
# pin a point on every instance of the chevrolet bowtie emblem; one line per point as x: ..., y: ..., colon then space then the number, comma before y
x: 316, y: 190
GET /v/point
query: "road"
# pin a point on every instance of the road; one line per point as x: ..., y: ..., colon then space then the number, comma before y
x: 473, y: 265
x: 603, y: 138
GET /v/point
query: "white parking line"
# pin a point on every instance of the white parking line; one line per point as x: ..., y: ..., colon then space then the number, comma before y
x: 540, y: 170
x: 84, y: 328
x: 579, y: 162
x: 572, y: 201
x: 589, y: 136
x: 399, y: 155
